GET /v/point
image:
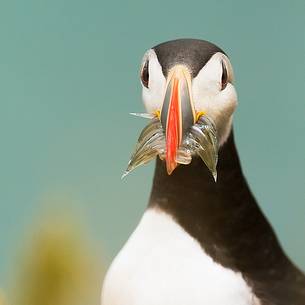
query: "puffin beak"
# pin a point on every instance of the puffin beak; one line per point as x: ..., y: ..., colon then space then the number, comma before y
x: 177, y: 113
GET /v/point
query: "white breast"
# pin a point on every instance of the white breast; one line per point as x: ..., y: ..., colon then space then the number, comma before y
x: 161, y: 264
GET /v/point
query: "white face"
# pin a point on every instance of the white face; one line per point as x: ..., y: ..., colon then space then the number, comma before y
x: 212, y: 90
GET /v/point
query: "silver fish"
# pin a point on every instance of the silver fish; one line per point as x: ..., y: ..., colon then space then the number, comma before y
x: 201, y: 140
x: 151, y: 143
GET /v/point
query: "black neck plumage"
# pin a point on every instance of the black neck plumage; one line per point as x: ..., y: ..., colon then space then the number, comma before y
x: 227, y: 222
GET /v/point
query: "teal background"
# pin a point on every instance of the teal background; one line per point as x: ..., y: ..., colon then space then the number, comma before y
x: 69, y: 76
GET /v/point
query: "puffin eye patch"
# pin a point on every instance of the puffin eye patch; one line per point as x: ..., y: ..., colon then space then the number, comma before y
x: 145, y: 75
x: 224, y: 76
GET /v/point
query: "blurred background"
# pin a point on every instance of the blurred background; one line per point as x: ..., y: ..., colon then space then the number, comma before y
x: 69, y: 76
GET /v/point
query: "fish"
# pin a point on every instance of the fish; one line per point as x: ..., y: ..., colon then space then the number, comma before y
x: 200, y: 140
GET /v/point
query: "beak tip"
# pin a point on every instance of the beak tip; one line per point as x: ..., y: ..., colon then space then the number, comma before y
x: 169, y: 171
x: 170, y: 167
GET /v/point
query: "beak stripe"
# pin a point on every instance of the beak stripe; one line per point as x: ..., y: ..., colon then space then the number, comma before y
x: 173, y: 130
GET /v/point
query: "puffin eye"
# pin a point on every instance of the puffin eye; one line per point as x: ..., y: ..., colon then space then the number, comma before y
x: 145, y: 75
x: 224, y: 77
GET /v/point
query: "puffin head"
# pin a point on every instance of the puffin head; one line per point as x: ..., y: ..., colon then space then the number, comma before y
x: 182, y: 81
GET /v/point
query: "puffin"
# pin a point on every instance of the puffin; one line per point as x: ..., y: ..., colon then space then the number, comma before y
x: 203, y: 239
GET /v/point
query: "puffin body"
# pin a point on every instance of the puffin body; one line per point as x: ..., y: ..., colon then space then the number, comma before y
x: 163, y: 264
x: 199, y: 242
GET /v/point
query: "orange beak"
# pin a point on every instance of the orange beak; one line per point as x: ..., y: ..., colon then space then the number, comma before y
x: 177, y: 114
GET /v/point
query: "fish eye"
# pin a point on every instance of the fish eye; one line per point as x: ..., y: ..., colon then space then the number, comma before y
x: 224, y: 76
x: 145, y: 75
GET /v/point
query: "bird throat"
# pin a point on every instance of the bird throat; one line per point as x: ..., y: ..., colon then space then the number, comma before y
x: 191, y: 186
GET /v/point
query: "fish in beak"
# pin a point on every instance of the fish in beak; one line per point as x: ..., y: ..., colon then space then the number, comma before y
x: 176, y: 132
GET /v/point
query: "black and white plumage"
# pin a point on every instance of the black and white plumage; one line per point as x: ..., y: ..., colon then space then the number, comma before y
x: 201, y: 242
